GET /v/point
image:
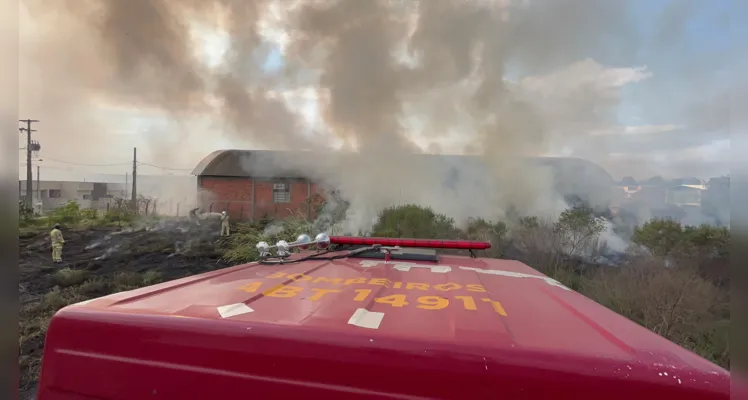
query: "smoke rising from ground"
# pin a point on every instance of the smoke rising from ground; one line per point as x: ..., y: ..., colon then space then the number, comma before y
x: 386, y: 73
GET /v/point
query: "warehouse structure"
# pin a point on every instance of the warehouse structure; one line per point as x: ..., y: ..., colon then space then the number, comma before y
x: 253, y: 184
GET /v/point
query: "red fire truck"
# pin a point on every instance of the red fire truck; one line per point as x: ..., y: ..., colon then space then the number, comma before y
x: 364, y: 318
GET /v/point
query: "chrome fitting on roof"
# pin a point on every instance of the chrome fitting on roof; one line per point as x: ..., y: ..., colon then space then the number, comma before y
x: 303, y: 242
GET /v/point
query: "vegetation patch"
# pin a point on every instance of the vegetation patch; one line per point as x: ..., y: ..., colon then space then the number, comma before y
x: 673, y: 280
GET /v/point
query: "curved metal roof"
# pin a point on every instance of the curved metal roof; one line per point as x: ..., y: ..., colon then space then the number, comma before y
x: 290, y: 164
x: 249, y: 163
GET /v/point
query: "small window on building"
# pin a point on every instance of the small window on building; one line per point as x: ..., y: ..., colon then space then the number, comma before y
x: 281, y: 193
x: 86, y: 197
x: 55, y: 193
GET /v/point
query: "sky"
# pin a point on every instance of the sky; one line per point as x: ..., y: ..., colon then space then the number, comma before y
x: 672, y: 70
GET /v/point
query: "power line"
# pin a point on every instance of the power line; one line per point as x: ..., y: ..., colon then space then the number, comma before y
x: 86, y: 165
x: 57, y: 167
x: 116, y: 164
x: 169, y: 168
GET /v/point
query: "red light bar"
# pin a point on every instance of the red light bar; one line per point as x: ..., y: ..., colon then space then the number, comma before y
x: 422, y: 243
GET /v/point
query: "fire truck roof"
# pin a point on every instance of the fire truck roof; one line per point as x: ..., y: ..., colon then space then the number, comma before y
x: 499, y: 314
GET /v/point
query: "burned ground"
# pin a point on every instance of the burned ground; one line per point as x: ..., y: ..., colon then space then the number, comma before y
x: 97, y: 262
x: 673, y: 280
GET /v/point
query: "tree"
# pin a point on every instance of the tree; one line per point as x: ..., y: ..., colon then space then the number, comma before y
x: 580, y: 230
x: 483, y: 230
x: 661, y: 236
x: 412, y: 221
x: 24, y: 212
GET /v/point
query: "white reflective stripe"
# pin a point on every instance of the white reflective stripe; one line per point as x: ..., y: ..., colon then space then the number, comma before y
x: 369, y: 263
x: 406, y: 266
x: 231, y: 310
x: 366, y: 319
x: 439, y: 269
x: 443, y: 269
x: 511, y: 274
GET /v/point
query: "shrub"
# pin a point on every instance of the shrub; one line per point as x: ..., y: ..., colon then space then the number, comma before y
x: 579, y: 230
x: 240, y: 246
x: 673, y: 302
x: 69, y: 214
x: 673, y: 293
x: 539, y: 243
x: 483, y: 230
x: 70, y: 277
x: 25, y: 213
x: 412, y: 221
x: 661, y: 236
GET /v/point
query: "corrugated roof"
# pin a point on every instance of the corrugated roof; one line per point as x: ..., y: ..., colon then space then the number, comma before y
x: 246, y: 163
x: 292, y: 164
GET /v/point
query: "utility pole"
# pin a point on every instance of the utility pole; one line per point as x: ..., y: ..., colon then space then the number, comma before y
x: 38, y: 187
x: 29, y: 178
x: 134, y: 179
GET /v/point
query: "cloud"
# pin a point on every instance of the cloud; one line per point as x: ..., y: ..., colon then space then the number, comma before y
x: 639, y: 129
x: 583, y: 77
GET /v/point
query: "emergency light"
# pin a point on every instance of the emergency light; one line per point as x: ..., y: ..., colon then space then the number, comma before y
x: 322, y: 241
x: 420, y: 243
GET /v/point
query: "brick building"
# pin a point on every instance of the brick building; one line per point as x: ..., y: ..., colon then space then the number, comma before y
x: 253, y: 184
x: 250, y: 185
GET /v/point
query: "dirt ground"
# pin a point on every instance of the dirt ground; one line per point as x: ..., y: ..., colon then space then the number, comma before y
x: 97, y: 262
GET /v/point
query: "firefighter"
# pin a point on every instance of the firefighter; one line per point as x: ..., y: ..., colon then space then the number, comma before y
x: 224, y: 224
x: 57, y: 242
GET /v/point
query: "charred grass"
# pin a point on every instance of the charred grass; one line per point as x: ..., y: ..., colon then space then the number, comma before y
x: 682, y: 294
x: 98, y: 262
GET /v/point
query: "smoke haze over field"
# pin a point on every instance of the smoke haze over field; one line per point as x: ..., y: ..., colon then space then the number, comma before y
x: 501, y: 79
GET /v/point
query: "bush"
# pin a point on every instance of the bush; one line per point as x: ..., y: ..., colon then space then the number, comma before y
x: 69, y: 214
x: 673, y: 302
x: 579, y: 231
x: 24, y: 212
x: 483, y: 230
x: 414, y: 221
x: 705, y: 248
x: 538, y: 243
x: 661, y: 236
x: 678, y: 293
x: 70, y: 277
x: 240, y: 246
x: 89, y: 214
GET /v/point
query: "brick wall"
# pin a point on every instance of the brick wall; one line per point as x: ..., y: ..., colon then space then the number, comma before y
x: 231, y: 194
x: 235, y: 195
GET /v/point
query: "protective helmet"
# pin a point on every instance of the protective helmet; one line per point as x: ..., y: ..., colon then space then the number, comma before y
x: 57, y: 226
x: 223, y: 212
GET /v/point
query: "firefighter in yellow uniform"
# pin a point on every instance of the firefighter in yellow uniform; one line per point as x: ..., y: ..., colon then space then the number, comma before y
x: 224, y: 224
x: 57, y: 242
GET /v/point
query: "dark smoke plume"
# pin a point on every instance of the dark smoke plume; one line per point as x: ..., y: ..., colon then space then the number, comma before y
x: 389, y: 75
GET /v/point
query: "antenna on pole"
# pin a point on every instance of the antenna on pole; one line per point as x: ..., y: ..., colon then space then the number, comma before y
x: 30, y: 146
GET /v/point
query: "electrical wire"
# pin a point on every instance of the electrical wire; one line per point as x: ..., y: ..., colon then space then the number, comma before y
x: 85, y: 165
x: 117, y: 164
x: 169, y: 168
